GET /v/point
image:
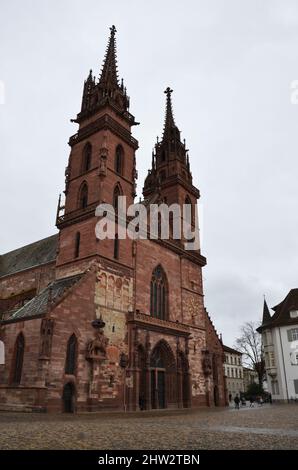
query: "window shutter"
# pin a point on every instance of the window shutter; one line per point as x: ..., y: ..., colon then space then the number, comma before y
x: 289, y: 332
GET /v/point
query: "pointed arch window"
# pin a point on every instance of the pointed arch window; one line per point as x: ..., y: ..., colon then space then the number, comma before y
x: 18, y: 359
x: 159, y: 294
x: 77, y: 244
x: 116, y: 194
x: 116, y: 246
x: 119, y: 159
x: 71, y: 355
x: 86, y: 157
x: 83, y: 197
x: 188, y: 202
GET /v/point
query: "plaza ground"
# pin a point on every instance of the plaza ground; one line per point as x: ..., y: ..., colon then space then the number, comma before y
x: 266, y: 427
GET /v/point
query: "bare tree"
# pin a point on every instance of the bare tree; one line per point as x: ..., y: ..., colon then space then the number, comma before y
x: 250, y: 345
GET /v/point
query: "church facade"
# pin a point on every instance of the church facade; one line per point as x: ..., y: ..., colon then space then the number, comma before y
x: 89, y: 324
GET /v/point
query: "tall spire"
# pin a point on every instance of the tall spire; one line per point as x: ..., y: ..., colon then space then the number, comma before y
x: 266, y: 313
x: 169, y: 118
x: 109, y: 74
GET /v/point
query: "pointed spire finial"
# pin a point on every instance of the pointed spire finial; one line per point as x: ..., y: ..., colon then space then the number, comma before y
x: 109, y: 74
x: 266, y: 312
x: 169, y: 119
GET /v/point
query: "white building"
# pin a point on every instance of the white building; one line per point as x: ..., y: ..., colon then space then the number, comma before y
x: 280, y: 343
x: 233, y: 371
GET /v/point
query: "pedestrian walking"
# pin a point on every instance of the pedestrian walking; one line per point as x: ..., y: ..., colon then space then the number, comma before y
x: 237, y: 402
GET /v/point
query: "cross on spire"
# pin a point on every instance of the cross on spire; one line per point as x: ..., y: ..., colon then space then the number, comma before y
x: 109, y: 73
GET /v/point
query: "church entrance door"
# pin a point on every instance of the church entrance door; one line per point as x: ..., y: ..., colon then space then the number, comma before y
x: 158, y: 388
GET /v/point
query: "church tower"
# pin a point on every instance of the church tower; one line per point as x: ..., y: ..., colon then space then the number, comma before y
x: 170, y: 180
x: 101, y: 166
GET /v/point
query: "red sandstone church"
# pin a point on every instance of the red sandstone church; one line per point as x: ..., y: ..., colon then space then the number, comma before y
x: 111, y: 324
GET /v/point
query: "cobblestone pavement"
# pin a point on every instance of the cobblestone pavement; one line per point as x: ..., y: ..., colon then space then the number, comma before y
x: 267, y: 427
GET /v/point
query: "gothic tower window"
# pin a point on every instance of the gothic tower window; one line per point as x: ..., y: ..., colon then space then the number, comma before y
x: 86, y: 160
x: 18, y: 359
x: 83, y: 196
x: 71, y: 355
x: 159, y: 294
x: 188, y: 202
x: 116, y: 246
x: 77, y: 244
x: 116, y: 194
x: 119, y: 157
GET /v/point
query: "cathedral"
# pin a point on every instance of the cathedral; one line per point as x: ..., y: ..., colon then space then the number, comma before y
x: 113, y: 324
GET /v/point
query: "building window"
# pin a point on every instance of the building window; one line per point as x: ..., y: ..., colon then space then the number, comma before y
x: 293, y: 334
x: 77, y: 244
x: 119, y: 157
x: 71, y: 355
x: 18, y: 359
x: 189, y: 203
x: 294, y: 313
x: 296, y: 386
x: 294, y: 358
x: 116, y: 194
x: 116, y: 246
x: 159, y: 294
x: 86, y: 157
x: 83, y: 197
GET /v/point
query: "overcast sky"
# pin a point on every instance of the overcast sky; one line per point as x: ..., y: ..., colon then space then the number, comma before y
x: 230, y: 64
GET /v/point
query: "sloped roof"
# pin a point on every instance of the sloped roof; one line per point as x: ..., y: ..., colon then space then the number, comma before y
x: 231, y: 350
x: 281, y: 314
x: 40, y: 304
x: 40, y: 252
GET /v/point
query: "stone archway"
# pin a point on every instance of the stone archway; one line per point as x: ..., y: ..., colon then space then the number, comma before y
x: 163, y: 376
x: 68, y: 397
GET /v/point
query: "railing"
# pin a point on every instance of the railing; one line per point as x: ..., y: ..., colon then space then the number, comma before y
x: 76, y: 214
x: 99, y: 124
x: 149, y: 320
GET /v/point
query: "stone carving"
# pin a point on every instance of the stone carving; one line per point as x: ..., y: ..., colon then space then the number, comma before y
x: 103, y: 165
x: 96, y: 348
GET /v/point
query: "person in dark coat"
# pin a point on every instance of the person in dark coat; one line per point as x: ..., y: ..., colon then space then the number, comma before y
x: 237, y: 402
